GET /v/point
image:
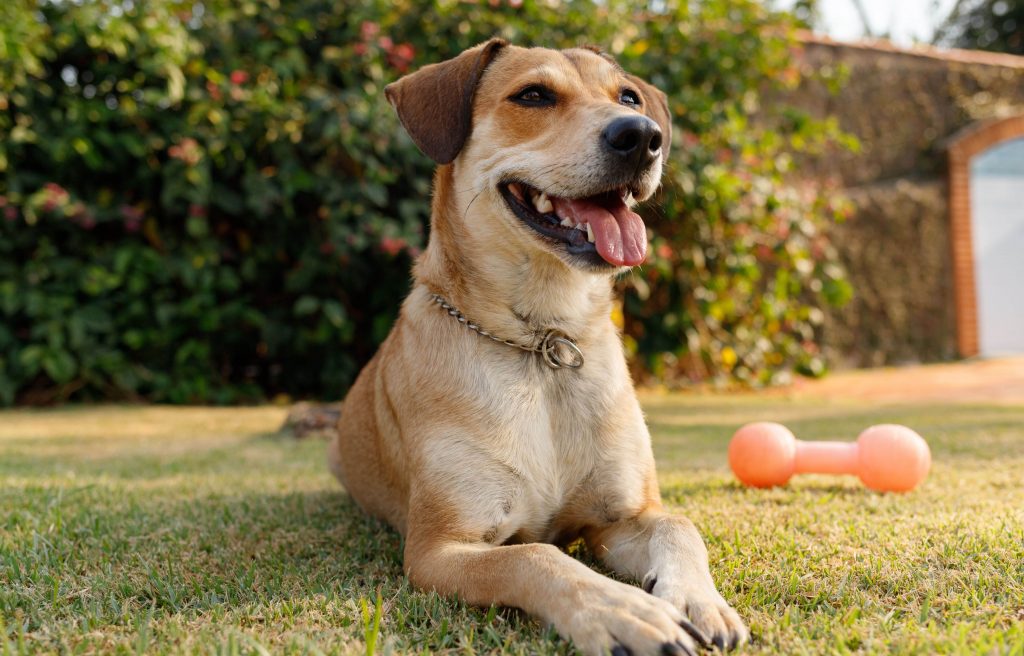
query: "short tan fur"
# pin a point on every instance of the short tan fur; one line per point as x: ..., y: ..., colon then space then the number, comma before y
x: 484, y: 458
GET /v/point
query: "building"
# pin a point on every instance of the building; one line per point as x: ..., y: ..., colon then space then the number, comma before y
x: 936, y: 248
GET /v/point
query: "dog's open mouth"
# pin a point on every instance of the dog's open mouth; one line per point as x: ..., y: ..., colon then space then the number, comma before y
x: 602, y: 223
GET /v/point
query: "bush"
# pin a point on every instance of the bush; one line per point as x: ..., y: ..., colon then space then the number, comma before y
x: 213, y: 202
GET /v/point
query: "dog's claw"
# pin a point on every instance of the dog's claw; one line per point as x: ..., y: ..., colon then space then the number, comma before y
x: 619, y: 650
x: 719, y: 642
x: 649, y: 583
x: 675, y: 649
x: 695, y: 633
x: 686, y: 649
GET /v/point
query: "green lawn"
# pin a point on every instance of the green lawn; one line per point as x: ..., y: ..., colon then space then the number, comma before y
x: 200, y: 530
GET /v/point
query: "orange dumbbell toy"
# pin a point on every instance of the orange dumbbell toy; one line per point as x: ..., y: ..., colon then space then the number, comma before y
x: 887, y: 458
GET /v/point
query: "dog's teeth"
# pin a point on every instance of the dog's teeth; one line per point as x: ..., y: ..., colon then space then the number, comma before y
x: 516, y: 190
x: 567, y: 223
x: 590, y: 234
x: 543, y: 204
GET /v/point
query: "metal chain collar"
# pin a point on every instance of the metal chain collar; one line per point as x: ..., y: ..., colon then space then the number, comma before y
x: 548, y: 347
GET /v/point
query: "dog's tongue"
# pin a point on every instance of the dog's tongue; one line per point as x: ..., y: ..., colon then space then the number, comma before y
x: 619, y: 233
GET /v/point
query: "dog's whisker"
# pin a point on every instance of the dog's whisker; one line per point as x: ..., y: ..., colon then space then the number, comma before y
x: 460, y: 192
x: 465, y: 215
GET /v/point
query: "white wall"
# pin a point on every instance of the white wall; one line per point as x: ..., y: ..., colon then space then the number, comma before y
x: 997, y: 209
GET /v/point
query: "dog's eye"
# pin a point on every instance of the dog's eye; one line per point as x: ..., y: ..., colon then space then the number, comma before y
x: 629, y: 97
x: 534, y: 96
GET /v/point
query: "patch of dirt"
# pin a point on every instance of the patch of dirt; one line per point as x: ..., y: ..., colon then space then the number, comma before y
x: 998, y: 380
x: 311, y: 420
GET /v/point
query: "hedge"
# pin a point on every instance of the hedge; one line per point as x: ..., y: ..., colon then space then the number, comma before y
x: 212, y: 202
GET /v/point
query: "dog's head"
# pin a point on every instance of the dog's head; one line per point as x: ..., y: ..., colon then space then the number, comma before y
x: 550, y: 148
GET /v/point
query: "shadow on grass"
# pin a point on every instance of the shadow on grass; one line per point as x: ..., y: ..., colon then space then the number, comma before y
x: 808, y: 488
x: 241, y: 559
x: 193, y: 555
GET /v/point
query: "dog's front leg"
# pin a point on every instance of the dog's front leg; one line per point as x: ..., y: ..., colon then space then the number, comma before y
x: 600, y: 615
x: 668, y: 556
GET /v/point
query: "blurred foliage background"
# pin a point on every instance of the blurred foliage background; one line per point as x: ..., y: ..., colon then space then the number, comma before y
x: 996, y: 25
x: 212, y: 201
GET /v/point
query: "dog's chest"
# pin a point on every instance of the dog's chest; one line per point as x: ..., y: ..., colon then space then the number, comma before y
x: 533, y: 452
x: 553, y: 445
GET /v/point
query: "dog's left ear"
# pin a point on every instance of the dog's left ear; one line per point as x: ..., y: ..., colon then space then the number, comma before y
x: 435, y: 104
x: 656, y: 107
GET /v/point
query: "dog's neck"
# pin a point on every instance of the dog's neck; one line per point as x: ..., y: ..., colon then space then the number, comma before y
x: 513, y: 294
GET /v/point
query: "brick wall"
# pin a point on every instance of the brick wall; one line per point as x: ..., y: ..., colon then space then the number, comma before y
x: 920, y: 115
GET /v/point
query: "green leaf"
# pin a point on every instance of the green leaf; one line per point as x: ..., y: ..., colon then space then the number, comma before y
x: 306, y: 305
x: 30, y: 358
x: 59, y: 365
x: 334, y: 313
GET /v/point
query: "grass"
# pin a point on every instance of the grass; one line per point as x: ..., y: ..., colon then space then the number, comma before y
x: 153, y: 530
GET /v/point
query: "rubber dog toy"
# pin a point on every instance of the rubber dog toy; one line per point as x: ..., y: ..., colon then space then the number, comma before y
x: 887, y: 458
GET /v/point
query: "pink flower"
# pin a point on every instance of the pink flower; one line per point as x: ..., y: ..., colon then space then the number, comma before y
x: 392, y: 245
x: 368, y: 30
x: 401, y: 57
x: 213, y: 90
x: 360, y: 49
x: 56, y: 196
x: 131, y: 213
x: 187, y: 150
x: 239, y: 77
x: 55, y: 189
x: 385, y: 42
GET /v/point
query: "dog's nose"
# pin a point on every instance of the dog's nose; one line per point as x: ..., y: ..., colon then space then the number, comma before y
x: 634, y: 139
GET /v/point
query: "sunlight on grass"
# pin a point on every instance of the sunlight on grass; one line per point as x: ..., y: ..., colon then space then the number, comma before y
x: 200, y: 530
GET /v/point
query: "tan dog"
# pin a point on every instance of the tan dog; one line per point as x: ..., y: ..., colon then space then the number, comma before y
x: 483, y: 454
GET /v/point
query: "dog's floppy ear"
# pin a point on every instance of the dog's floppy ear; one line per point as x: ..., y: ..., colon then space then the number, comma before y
x: 435, y: 104
x: 656, y: 107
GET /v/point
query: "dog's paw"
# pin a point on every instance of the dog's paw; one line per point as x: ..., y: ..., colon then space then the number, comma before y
x: 622, y: 620
x: 713, y: 618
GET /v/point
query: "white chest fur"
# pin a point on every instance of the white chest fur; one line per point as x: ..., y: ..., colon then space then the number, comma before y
x: 536, y: 437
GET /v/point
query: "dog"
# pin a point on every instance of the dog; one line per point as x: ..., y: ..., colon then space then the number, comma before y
x: 498, y: 422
